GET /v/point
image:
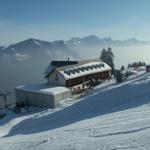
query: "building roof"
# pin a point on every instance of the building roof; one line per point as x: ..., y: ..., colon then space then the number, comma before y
x: 148, y: 65
x: 43, y: 89
x: 81, y: 62
x: 58, y: 64
x: 85, y: 69
x: 48, y: 70
x: 81, y: 68
x: 63, y: 63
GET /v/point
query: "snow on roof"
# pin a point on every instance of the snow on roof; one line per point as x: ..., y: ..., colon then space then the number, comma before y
x: 82, y: 68
x: 58, y: 64
x: 85, y: 69
x: 48, y: 70
x: 43, y: 89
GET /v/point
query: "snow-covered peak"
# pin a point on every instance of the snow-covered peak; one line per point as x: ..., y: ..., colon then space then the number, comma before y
x: 32, y: 40
x: 36, y: 42
x: 3, y: 48
x: 38, y: 49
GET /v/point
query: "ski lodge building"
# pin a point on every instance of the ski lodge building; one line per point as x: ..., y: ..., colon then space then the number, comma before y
x: 64, y: 79
x: 77, y: 75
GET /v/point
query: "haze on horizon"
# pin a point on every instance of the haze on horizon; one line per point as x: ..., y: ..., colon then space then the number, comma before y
x: 55, y: 19
x: 63, y: 19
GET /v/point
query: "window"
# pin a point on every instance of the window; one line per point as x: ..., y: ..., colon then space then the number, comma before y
x: 56, y: 76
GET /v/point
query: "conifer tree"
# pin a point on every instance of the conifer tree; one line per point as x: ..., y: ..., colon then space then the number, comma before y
x: 107, y: 56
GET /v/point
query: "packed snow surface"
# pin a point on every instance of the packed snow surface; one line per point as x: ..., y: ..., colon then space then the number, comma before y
x: 113, y: 117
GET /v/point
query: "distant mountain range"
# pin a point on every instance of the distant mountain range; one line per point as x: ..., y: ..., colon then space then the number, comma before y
x: 93, y: 40
x: 37, y: 49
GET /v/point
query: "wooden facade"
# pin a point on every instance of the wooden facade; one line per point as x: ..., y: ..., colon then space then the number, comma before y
x: 96, y: 76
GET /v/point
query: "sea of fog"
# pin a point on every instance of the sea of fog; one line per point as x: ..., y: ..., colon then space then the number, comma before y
x: 13, y: 74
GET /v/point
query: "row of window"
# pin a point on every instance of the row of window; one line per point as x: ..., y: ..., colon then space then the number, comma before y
x: 80, y: 80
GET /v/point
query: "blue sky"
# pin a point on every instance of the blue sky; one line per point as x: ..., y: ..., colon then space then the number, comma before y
x: 63, y: 19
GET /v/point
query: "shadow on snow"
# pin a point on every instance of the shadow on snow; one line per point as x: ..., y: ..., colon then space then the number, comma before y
x: 99, y: 103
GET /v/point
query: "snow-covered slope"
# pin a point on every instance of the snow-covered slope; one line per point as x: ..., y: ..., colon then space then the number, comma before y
x: 111, y: 118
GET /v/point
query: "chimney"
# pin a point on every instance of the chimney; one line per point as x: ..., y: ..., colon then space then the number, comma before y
x: 68, y: 58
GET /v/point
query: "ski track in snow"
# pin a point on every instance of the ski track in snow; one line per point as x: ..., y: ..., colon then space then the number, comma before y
x: 121, y: 132
x: 125, y: 128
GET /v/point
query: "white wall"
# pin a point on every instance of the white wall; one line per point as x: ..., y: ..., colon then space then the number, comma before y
x: 41, y: 100
x: 59, y: 81
x: 35, y: 99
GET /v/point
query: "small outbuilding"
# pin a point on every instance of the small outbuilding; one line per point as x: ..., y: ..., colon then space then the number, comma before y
x: 42, y: 95
x: 148, y: 68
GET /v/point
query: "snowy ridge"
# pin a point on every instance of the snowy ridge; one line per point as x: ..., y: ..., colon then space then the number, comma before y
x: 21, y: 57
x: 95, y: 40
x: 4, y: 47
x: 38, y: 49
x: 36, y: 42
